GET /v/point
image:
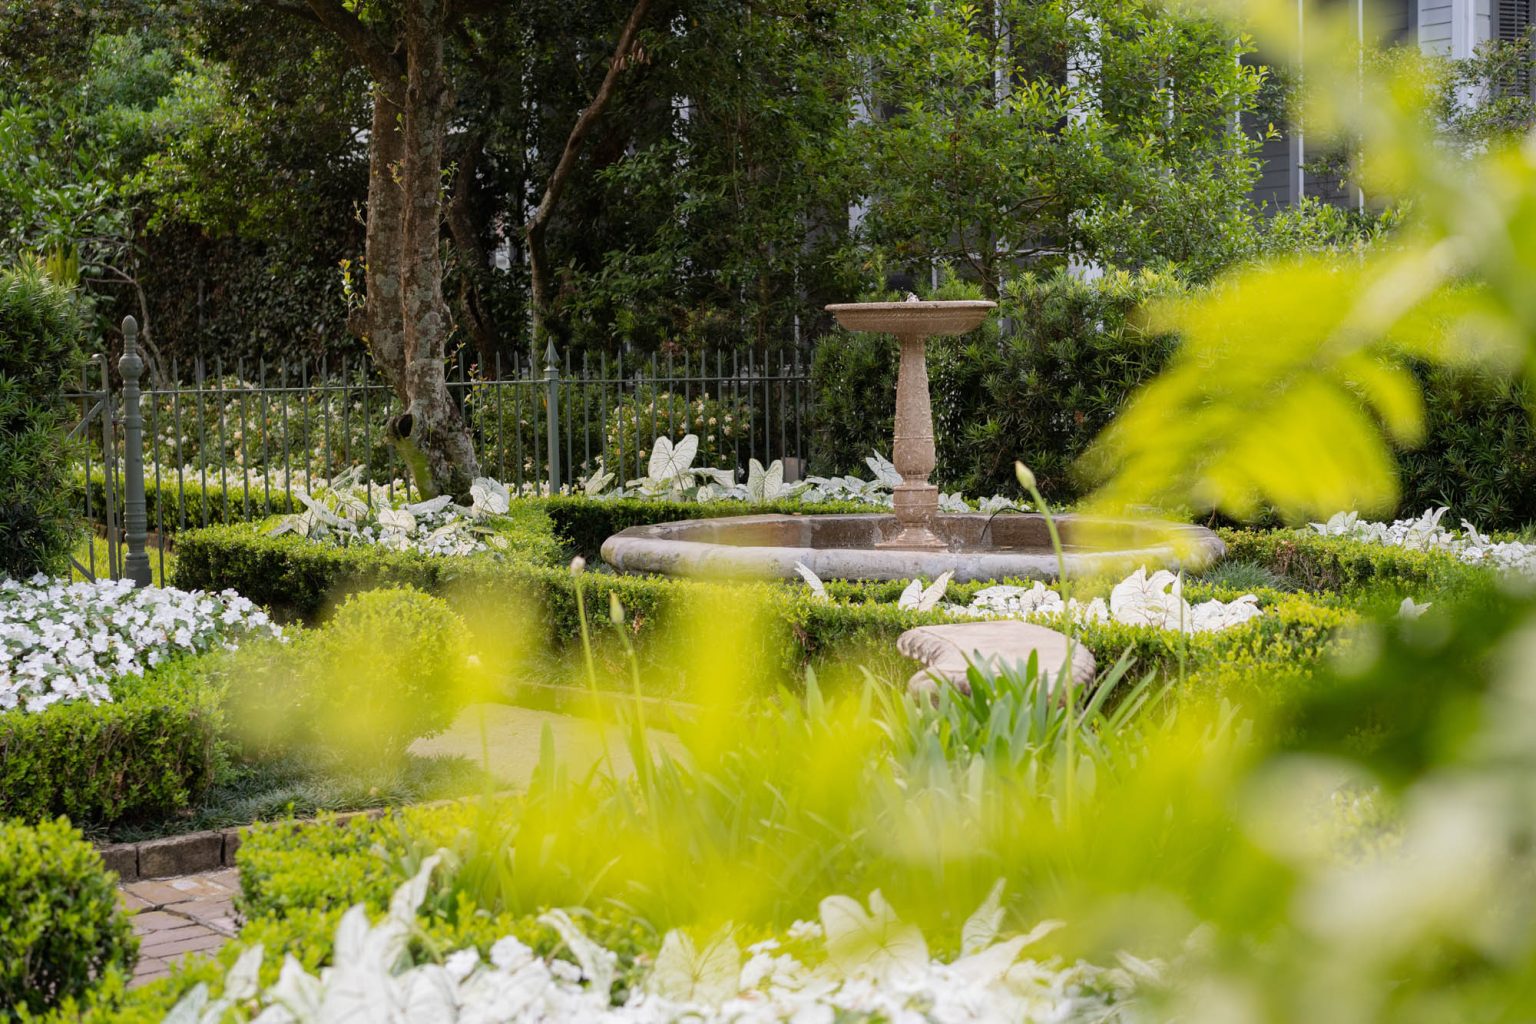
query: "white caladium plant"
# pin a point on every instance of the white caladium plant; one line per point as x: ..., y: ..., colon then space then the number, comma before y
x: 63, y: 641
x: 1426, y: 534
x: 348, y: 511
x: 1155, y: 600
x: 672, y: 476
x: 873, y: 967
x: 1138, y: 600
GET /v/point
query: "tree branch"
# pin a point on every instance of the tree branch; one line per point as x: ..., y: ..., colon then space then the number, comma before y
x: 379, y: 59
x: 587, y: 118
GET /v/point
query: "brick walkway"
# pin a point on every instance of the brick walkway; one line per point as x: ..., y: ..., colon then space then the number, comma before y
x: 175, y: 917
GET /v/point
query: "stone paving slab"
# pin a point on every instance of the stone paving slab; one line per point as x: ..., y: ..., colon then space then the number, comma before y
x: 177, y: 917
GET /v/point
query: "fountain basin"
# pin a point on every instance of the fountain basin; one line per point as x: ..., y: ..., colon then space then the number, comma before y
x: 977, y: 547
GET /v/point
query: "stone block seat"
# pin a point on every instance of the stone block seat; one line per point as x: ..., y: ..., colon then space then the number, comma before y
x: 947, y: 651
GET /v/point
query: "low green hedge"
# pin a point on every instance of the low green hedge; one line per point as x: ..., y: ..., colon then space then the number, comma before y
x: 151, y: 752
x: 174, y: 504
x: 297, y: 579
x: 1350, y: 566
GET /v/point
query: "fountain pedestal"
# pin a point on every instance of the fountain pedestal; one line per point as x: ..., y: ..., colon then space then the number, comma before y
x: 916, y: 501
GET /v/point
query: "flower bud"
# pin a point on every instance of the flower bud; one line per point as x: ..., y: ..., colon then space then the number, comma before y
x: 578, y: 565
x: 615, y: 609
x: 1026, y: 478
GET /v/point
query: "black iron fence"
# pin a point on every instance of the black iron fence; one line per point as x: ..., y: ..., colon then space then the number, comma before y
x: 221, y: 442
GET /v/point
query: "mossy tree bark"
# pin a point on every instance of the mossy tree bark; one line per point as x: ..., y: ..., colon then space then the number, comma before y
x: 404, y: 319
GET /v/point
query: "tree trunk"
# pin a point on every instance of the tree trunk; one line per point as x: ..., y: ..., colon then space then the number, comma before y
x: 382, y: 325
x: 474, y: 260
x: 432, y: 422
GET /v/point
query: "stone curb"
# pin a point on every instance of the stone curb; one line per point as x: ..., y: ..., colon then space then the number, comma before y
x: 194, y: 852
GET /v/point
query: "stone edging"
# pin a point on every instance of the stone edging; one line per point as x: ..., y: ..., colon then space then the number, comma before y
x: 194, y: 852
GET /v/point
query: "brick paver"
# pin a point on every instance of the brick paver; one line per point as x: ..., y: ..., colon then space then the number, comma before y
x: 177, y: 917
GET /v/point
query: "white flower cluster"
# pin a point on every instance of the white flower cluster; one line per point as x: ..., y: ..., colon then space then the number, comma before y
x: 347, y: 511
x: 672, y: 476
x: 876, y: 968
x: 68, y: 641
x: 1426, y: 534
x: 1138, y: 600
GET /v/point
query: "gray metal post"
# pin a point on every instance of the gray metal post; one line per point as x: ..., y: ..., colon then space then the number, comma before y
x: 552, y: 414
x: 131, y: 366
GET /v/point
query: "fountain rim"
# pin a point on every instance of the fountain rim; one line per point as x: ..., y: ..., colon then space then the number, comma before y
x: 654, y: 548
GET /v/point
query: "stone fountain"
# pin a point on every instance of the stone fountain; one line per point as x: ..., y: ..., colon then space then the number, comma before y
x: 917, y: 540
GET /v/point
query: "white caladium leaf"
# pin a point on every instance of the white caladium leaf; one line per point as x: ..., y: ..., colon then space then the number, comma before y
x: 910, y: 596
x: 981, y: 928
x: 870, y: 944
x: 725, y: 479
x: 885, y: 472
x: 1411, y: 609
x: 953, y: 503
x: 765, y: 484
x: 489, y: 497
x: 431, y: 506
x: 818, y: 588
x: 597, y: 963
x: 597, y: 483
x: 397, y: 519
x: 685, y: 974
x: 934, y: 593
x: 669, y: 462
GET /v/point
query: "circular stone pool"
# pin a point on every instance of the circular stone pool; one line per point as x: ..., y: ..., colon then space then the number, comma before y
x: 978, y: 547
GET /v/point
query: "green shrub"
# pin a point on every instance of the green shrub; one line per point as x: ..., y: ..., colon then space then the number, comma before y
x: 387, y: 669
x: 862, y: 623
x: 1039, y: 389
x: 1070, y: 357
x: 61, y: 927
x: 175, y: 502
x: 39, y: 353
x: 1351, y: 566
x: 151, y: 752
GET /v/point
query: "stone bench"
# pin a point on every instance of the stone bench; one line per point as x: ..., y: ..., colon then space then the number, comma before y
x: 948, y: 651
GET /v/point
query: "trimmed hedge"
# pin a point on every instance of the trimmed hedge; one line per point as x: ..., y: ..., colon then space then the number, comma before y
x: 152, y: 752
x: 61, y: 927
x: 297, y: 579
x: 168, y: 500
x: 1333, y: 564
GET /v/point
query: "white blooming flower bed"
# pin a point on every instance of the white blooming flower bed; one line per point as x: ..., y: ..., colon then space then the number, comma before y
x: 1426, y: 534
x: 1138, y: 600
x: 875, y: 968
x: 68, y: 641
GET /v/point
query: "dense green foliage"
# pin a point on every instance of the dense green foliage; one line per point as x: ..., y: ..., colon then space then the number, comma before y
x: 39, y: 338
x: 297, y: 579
x: 151, y: 751
x: 61, y: 927
x: 388, y: 668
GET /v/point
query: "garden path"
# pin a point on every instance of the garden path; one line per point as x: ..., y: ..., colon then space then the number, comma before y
x: 177, y: 917
x: 194, y: 914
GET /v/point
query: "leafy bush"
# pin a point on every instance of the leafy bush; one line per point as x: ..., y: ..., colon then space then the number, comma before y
x: 60, y: 924
x: 1037, y: 382
x: 387, y: 669
x: 299, y: 580
x: 39, y: 336
x: 152, y: 751
x: 638, y: 419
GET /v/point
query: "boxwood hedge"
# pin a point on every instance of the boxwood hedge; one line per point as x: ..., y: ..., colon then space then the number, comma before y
x: 151, y: 752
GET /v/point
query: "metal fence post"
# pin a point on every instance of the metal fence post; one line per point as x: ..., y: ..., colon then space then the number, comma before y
x: 552, y: 413
x: 131, y: 366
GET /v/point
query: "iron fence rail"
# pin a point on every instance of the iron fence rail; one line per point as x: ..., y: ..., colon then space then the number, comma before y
x: 225, y: 442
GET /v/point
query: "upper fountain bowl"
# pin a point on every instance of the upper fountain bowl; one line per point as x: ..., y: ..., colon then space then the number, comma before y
x: 920, y: 318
